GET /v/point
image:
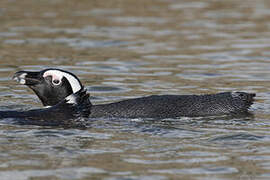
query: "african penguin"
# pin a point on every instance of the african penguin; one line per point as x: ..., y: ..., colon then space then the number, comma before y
x: 52, y: 85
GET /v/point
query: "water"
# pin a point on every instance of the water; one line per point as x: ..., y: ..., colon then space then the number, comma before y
x: 125, y: 49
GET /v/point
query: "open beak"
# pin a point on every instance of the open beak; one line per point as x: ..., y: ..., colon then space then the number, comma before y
x: 27, y: 77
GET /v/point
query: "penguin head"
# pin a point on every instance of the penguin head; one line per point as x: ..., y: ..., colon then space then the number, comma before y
x: 50, y: 85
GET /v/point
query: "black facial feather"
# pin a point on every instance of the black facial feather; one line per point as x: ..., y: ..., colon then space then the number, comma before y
x: 51, y: 94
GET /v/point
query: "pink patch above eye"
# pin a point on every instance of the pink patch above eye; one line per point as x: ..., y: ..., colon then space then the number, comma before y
x: 54, y: 76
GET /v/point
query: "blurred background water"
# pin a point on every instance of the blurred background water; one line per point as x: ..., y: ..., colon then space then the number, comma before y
x: 124, y: 49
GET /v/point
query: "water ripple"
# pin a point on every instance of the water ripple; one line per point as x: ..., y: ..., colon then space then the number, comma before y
x: 206, y: 170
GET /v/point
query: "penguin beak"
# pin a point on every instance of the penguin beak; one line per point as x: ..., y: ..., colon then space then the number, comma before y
x: 27, y: 78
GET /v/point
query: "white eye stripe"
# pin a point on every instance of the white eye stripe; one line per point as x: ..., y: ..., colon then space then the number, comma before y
x: 56, y: 74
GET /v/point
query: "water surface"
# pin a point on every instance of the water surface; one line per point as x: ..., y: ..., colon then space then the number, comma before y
x: 124, y: 49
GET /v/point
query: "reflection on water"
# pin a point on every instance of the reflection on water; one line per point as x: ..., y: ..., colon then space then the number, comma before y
x: 124, y: 49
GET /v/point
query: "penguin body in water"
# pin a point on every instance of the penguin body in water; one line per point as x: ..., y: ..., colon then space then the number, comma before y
x: 52, y: 85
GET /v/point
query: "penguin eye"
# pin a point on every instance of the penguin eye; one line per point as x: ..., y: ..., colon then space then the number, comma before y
x: 56, y: 82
